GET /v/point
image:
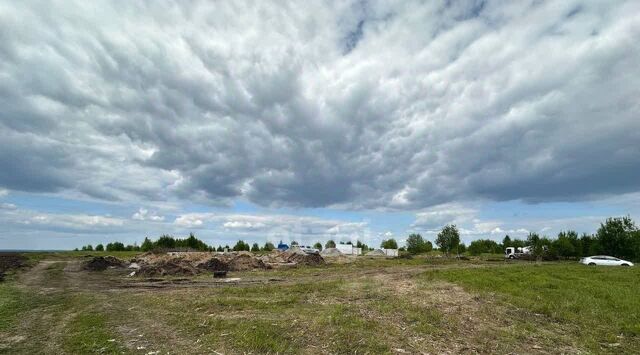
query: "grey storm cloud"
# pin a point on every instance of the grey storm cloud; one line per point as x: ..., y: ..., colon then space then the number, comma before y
x: 400, y: 105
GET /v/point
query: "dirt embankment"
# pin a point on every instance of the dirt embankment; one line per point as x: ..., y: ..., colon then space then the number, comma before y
x: 193, y: 263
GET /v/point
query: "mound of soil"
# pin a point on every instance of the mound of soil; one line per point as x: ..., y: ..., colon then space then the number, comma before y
x: 165, y: 267
x: 213, y: 264
x: 376, y: 252
x: 100, y: 263
x: 331, y: 252
x: 306, y: 259
x: 192, y: 263
x: 243, y: 262
x: 10, y: 261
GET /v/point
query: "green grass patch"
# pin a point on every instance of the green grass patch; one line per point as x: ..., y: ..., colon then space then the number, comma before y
x: 603, y: 303
x: 14, y: 302
x: 88, y: 332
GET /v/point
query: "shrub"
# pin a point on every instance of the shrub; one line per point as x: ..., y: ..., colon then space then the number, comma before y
x: 416, y: 244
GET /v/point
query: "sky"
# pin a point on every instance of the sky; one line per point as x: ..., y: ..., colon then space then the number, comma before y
x: 309, y: 121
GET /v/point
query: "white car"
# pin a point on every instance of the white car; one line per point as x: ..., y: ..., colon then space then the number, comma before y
x: 604, y: 260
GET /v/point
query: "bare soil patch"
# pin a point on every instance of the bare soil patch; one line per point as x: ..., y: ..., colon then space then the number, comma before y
x: 11, y: 261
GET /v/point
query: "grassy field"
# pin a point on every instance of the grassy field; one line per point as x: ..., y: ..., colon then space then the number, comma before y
x: 371, y: 306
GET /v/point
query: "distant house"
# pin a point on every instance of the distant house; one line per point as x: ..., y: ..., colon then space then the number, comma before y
x: 348, y: 249
x: 282, y: 246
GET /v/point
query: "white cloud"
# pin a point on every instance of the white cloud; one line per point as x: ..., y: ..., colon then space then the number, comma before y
x: 189, y: 221
x: 438, y: 216
x: 3, y: 192
x: 144, y: 215
x: 243, y: 225
x: 7, y: 206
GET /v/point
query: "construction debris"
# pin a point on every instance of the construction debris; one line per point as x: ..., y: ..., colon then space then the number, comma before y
x: 134, y: 265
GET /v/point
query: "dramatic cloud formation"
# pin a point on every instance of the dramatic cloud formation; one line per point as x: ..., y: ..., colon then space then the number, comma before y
x: 365, y: 105
x: 406, y: 106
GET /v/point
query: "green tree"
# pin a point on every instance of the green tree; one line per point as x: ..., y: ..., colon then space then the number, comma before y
x: 416, y: 244
x: 590, y: 245
x: 636, y: 245
x: 537, y: 245
x: 294, y: 243
x: 481, y: 246
x: 219, y: 248
x: 147, y: 245
x: 389, y: 244
x: 361, y: 245
x: 506, y: 242
x: 255, y: 247
x: 165, y: 242
x: 99, y: 247
x: 318, y: 246
x: 448, y: 239
x: 615, y: 237
x: 115, y: 246
x: 330, y: 244
x: 268, y: 246
x: 567, y: 244
x: 241, y: 246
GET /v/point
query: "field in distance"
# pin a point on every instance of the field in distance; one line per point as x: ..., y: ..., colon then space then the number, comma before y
x: 420, y: 305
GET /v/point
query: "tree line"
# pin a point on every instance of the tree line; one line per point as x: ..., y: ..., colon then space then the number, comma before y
x: 618, y: 237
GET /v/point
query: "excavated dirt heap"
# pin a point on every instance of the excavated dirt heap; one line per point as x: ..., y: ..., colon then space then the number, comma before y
x: 376, y: 252
x: 291, y: 258
x: 192, y: 263
x: 168, y: 267
x: 213, y: 264
x: 305, y: 259
x: 99, y: 263
x: 165, y: 264
x: 331, y: 252
x: 244, y: 262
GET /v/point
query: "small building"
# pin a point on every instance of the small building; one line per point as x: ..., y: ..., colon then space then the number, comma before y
x: 348, y: 249
x: 282, y: 246
x: 390, y: 252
